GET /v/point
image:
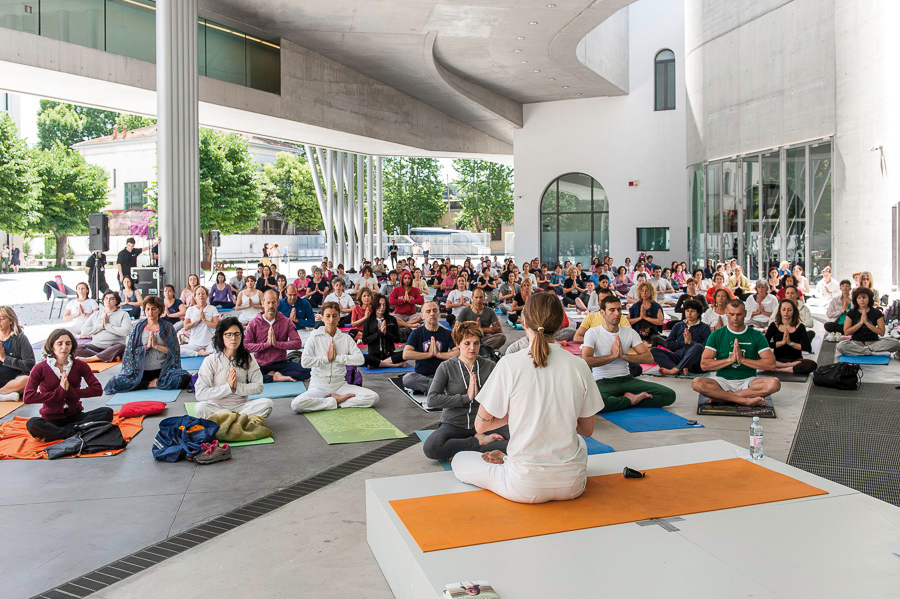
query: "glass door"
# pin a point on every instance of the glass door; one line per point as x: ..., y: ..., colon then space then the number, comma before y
x: 713, y: 211
x: 731, y: 212
x: 795, y: 206
x: 770, y: 229
x: 750, y: 182
x: 820, y: 207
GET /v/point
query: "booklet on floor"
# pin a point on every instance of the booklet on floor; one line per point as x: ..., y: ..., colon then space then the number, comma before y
x: 474, y: 588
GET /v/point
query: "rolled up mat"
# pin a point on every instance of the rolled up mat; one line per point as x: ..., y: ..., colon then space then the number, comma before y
x: 870, y: 360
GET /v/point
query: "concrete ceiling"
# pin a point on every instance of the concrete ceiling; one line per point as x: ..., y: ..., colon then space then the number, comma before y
x: 463, y: 57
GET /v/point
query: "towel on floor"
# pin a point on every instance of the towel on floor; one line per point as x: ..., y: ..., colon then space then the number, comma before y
x: 17, y: 443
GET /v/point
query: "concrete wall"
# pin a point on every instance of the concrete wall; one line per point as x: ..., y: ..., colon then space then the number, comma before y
x: 615, y: 140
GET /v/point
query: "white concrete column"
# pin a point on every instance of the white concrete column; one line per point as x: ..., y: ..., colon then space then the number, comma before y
x: 379, y: 219
x: 370, y: 209
x: 329, y: 206
x: 360, y: 194
x: 339, y: 183
x: 178, y: 141
x: 351, y: 215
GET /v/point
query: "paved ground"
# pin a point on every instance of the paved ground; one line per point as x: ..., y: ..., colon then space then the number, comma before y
x: 69, y: 517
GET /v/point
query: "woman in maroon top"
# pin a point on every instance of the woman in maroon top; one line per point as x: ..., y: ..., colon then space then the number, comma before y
x: 56, y: 383
x: 405, y: 300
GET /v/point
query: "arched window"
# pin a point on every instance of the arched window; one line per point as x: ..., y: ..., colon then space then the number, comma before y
x: 665, y: 80
x: 574, y: 220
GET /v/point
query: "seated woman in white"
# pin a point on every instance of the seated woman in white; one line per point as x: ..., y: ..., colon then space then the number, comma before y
x: 328, y: 352
x: 200, y: 321
x: 78, y: 309
x: 249, y: 301
x: 715, y: 316
x: 548, y: 397
x: 230, y: 376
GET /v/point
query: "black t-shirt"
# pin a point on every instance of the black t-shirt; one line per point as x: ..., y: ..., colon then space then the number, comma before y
x: 570, y: 283
x: 520, y: 301
x: 486, y: 282
x: 393, y: 249
x: 94, y: 262
x: 319, y: 287
x: 864, y: 333
x: 420, y: 341
x: 128, y: 260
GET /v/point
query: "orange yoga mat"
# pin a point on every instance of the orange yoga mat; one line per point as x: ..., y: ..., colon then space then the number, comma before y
x: 101, y: 366
x: 17, y: 443
x: 8, y: 407
x: 476, y: 517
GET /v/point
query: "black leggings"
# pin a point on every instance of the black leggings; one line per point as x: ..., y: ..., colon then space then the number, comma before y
x: 149, y: 375
x: 63, y: 428
x: 448, y: 440
x: 374, y: 361
x: 834, y: 327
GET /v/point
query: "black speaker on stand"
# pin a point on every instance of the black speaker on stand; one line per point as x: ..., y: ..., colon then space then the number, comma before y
x: 215, y: 240
x: 98, y: 241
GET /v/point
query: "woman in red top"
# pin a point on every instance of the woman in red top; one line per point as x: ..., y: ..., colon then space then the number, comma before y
x: 718, y: 283
x: 56, y: 383
x: 405, y: 298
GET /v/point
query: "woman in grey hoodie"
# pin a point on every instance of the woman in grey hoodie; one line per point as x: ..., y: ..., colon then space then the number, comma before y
x: 456, y: 383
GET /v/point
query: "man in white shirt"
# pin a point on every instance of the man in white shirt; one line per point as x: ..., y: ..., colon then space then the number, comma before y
x: 761, y: 307
x: 662, y: 285
x: 828, y: 288
x: 342, y: 299
x: 607, y: 349
x: 238, y: 282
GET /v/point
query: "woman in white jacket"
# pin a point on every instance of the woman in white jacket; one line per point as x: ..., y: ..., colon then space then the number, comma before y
x: 228, y: 377
x: 328, y: 352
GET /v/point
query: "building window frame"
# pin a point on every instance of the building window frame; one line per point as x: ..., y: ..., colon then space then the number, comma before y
x: 664, y: 80
x: 133, y: 196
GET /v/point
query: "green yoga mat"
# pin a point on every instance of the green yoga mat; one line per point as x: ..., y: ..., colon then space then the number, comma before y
x: 353, y: 425
x: 191, y: 406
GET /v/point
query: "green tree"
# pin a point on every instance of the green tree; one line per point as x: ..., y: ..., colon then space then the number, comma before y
x: 230, y: 192
x: 133, y: 121
x: 69, y: 124
x: 71, y: 190
x: 412, y: 192
x: 485, y: 194
x: 19, y: 185
x: 288, y: 188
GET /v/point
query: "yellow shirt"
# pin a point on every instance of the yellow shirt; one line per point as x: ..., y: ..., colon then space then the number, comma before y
x: 595, y: 319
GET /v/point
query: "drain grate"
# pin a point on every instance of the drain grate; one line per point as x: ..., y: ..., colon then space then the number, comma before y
x: 137, y: 562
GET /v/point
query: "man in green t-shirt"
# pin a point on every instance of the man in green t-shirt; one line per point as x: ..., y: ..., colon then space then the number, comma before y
x: 735, y: 353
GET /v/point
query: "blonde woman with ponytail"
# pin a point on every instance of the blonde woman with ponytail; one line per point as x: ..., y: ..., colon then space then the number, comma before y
x: 548, y: 398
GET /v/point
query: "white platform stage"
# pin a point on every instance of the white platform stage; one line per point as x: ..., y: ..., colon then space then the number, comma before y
x: 837, y: 545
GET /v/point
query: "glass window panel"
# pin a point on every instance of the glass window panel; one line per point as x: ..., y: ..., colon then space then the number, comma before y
x: 751, y: 217
x: 575, y: 193
x: 601, y: 201
x: 574, y: 238
x: 225, y: 55
x: 134, y: 195
x: 131, y: 29
x: 665, y: 55
x: 670, y: 85
x: 601, y: 235
x: 731, y: 206
x: 23, y: 16
x: 653, y: 239
x: 795, y: 204
x: 548, y: 202
x: 549, y: 250
x: 820, y: 207
x: 76, y: 21
x: 660, y: 82
x: 713, y: 211
x: 263, y: 67
x: 770, y: 211
x: 698, y: 216
x: 201, y: 47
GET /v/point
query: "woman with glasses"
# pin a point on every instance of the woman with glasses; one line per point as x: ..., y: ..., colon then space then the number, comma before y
x: 230, y: 376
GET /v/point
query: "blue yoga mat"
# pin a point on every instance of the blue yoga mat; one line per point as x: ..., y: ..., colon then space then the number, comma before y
x: 192, y: 364
x: 276, y: 390
x: 640, y: 420
x: 422, y: 435
x: 870, y: 360
x: 166, y: 395
x: 594, y: 446
x: 386, y: 370
x: 517, y: 326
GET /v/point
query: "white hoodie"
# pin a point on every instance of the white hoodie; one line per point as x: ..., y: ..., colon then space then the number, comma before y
x: 315, y: 356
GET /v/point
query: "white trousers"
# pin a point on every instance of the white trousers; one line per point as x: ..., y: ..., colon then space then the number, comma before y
x: 318, y: 397
x: 469, y: 467
x: 190, y: 350
x: 253, y: 407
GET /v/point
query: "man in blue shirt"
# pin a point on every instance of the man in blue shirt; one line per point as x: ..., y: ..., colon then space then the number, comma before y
x: 428, y: 345
x: 297, y: 309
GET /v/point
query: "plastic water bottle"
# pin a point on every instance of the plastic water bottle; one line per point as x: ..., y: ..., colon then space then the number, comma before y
x: 756, y: 439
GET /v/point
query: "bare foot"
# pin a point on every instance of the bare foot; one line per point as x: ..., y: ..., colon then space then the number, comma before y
x: 750, y: 401
x: 277, y: 377
x: 90, y: 359
x: 563, y: 343
x: 493, y: 457
x: 202, y: 352
x: 401, y: 365
x: 152, y: 384
x: 487, y: 439
x: 636, y: 399
x: 669, y: 371
x: 685, y: 372
x: 342, y: 398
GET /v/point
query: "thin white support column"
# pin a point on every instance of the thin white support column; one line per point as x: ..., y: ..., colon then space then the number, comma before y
x: 370, y: 209
x: 360, y: 194
x: 329, y: 208
x: 351, y: 215
x: 314, y: 171
x: 178, y: 142
x: 380, y: 217
x: 339, y: 221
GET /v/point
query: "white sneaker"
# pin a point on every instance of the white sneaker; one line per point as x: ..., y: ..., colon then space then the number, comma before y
x: 9, y: 397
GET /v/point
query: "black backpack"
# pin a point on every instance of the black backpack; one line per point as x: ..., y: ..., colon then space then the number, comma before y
x: 839, y: 375
x: 94, y: 437
x: 893, y: 311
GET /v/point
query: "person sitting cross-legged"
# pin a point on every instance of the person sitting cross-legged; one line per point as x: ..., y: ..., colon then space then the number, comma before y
x: 405, y: 300
x: 342, y: 299
x: 735, y: 352
x: 108, y: 328
x: 297, y: 309
x: 836, y: 313
x: 761, y: 306
x: 428, y: 345
x: 16, y: 356
x: 803, y: 313
x: 455, y: 385
x: 788, y: 339
x: 79, y: 309
x: 269, y: 336
x: 328, y: 353
x: 685, y: 344
x: 60, y: 383
x: 865, y: 325
x: 200, y: 321
x: 486, y: 318
x: 381, y: 333
x: 228, y: 377
x: 607, y: 350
